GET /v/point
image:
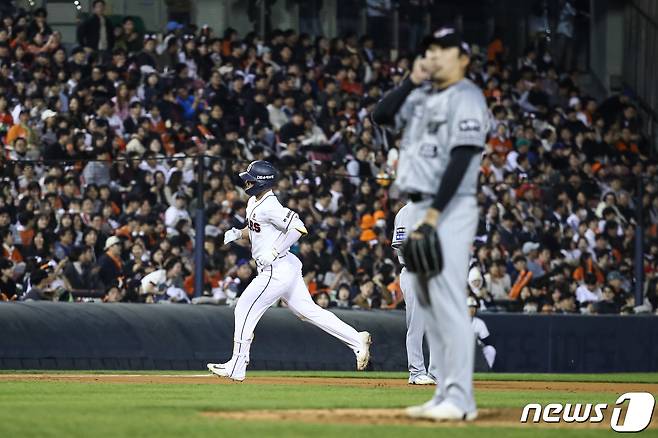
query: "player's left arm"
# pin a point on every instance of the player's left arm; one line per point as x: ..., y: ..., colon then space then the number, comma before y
x: 460, y: 159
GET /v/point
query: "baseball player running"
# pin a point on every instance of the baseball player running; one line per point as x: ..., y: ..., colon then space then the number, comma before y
x: 445, y: 118
x: 418, y: 375
x: 272, y: 229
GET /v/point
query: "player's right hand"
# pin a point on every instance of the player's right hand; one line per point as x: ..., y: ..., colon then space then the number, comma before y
x: 232, y: 235
x: 420, y: 71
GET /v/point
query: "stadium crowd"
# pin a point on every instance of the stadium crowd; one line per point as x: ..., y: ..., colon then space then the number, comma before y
x: 98, y: 173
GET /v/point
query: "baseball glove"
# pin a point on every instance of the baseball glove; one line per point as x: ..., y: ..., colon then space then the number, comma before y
x: 423, y: 257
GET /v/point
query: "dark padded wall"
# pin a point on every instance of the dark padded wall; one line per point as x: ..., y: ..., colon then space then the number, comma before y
x: 134, y: 336
x: 574, y: 343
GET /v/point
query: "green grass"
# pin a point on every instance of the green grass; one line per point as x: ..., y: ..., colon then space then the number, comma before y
x: 99, y: 410
x: 540, y: 377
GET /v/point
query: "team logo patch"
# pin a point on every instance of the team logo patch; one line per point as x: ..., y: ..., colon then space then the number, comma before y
x: 469, y: 125
x: 429, y: 150
x: 400, y: 234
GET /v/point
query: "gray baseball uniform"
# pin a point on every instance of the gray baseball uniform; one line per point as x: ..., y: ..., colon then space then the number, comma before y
x: 435, y: 122
x: 415, y: 323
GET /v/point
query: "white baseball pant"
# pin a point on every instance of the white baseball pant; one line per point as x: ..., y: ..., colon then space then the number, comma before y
x: 283, y: 280
x: 415, y: 331
x: 447, y: 324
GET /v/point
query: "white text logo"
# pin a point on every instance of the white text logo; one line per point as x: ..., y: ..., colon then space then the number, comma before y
x: 638, y: 413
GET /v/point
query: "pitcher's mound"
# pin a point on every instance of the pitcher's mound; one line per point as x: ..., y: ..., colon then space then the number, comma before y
x: 486, y: 417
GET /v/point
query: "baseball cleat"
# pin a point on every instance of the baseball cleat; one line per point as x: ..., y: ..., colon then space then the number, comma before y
x: 421, y: 379
x: 417, y: 411
x: 445, y: 411
x: 228, y: 369
x: 363, y: 354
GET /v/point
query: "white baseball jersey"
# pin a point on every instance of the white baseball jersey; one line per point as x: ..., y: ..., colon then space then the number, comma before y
x: 267, y: 220
x: 479, y: 328
x: 400, y: 230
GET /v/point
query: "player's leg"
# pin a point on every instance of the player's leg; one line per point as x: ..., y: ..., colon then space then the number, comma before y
x: 415, y: 330
x: 300, y: 303
x: 450, y: 328
x: 261, y: 293
x: 433, y: 370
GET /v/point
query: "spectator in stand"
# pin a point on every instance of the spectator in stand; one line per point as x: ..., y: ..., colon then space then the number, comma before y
x: 366, y: 298
x: 38, y: 291
x: 177, y: 212
x: 96, y: 33
x: 589, y: 292
x: 608, y: 304
x: 129, y: 40
x: 8, y: 290
x: 322, y: 300
x: 81, y: 272
x: 554, y: 154
x: 498, y: 281
x: 342, y: 299
x: 111, y: 273
x: 39, y: 25
x: 521, y: 276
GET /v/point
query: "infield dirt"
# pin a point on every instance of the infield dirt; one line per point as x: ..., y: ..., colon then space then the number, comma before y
x: 481, y: 385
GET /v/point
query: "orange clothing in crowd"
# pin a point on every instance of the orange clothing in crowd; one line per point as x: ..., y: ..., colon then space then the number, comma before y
x: 492, y: 92
x: 226, y: 47
x: 117, y: 261
x: 623, y: 147
x: 312, y: 287
x: 580, y: 272
x: 494, y: 49
x: 486, y: 171
x: 500, y: 146
x: 6, y: 122
x: 12, y: 253
x: 26, y: 236
x: 188, y: 284
x: 351, y: 87
x: 16, y: 131
x: 521, y: 281
x: 123, y: 231
x: 393, y: 295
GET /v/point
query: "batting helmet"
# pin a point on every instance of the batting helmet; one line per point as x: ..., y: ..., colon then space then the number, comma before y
x: 262, y: 174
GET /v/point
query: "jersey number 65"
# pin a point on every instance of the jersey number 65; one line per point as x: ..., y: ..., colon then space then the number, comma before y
x: 254, y: 226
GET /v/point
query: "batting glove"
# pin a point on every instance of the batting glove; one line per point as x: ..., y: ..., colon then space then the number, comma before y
x: 267, y: 258
x: 232, y: 235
